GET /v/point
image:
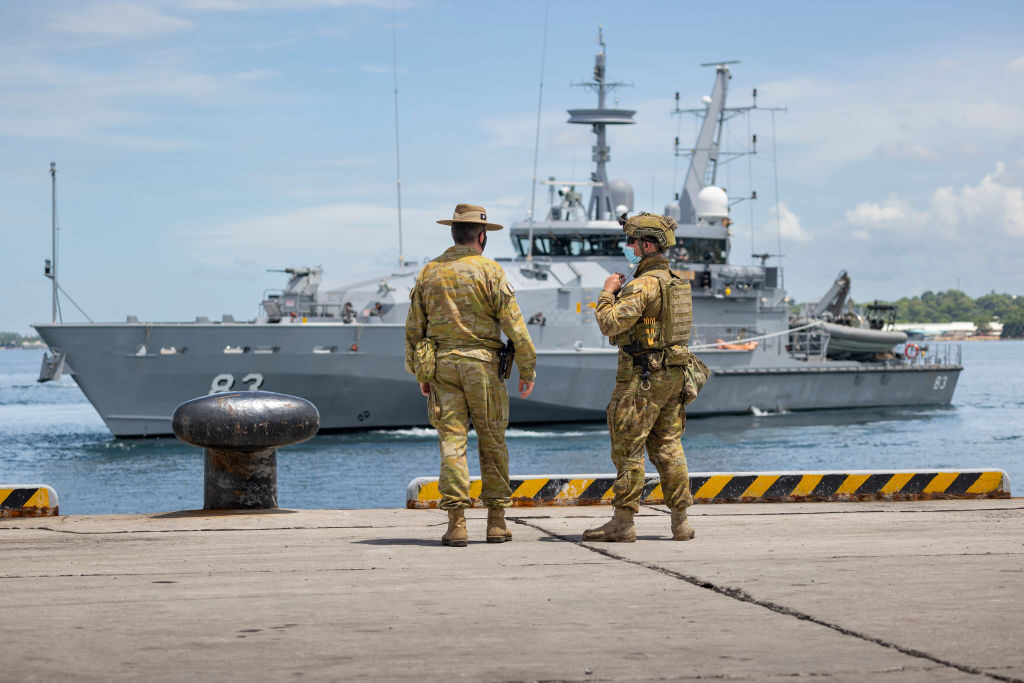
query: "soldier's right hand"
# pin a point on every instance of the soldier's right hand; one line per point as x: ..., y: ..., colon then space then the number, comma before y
x: 613, y: 283
x: 525, y: 389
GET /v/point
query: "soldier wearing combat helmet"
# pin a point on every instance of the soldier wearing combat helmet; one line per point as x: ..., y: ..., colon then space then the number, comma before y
x: 461, y: 304
x: 649, y: 320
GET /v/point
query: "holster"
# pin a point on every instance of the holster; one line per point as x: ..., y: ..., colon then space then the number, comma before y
x: 506, y: 355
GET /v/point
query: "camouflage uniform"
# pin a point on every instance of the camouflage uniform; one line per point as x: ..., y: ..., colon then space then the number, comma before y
x: 639, y: 415
x: 464, y: 302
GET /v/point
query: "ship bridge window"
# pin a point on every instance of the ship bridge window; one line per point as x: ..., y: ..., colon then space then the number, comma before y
x: 698, y: 250
x: 572, y: 245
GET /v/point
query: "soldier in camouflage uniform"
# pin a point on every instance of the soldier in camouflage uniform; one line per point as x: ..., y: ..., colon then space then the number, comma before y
x: 646, y: 408
x: 461, y: 304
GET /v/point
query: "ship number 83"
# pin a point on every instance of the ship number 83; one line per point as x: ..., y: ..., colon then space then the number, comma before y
x: 940, y: 383
x: 225, y: 381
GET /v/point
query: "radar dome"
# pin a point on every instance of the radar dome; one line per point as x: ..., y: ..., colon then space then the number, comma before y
x: 712, y: 204
x: 622, y: 195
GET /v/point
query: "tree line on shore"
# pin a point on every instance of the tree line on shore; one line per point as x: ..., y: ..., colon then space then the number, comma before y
x: 953, y: 305
x: 14, y: 340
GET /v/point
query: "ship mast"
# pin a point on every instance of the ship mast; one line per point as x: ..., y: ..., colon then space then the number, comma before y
x: 600, y: 207
x: 52, y: 270
x: 704, y: 163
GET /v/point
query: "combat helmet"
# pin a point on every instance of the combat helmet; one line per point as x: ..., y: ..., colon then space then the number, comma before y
x: 650, y: 226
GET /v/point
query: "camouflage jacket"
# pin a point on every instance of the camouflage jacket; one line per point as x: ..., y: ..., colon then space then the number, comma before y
x: 639, y: 298
x: 464, y: 301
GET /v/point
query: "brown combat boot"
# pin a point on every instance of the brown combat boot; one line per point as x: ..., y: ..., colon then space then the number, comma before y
x: 456, y: 535
x: 619, y: 530
x: 681, y: 529
x: 497, y: 532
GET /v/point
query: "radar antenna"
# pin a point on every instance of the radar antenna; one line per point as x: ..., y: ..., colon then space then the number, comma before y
x: 600, y: 207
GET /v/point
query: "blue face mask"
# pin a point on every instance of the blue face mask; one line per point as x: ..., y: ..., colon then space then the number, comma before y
x: 627, y: 251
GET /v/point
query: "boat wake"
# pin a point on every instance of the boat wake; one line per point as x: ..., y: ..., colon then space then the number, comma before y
x: 757, y: 412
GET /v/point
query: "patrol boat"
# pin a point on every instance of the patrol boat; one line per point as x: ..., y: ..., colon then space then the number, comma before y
x: 343, y: 348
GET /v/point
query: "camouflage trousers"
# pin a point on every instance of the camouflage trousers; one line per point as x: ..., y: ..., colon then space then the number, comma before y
x: 465, y: 389
x: 654, y: 418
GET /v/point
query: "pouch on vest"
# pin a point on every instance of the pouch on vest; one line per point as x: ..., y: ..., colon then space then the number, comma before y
x: 677, y: 355
x: 424, y: 359
x: 697, y: 375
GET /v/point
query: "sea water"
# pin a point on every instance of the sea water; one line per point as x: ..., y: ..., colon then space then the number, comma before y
x: 49, y: 434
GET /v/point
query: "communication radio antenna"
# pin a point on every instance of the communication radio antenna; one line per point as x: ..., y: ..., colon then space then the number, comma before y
x: 778, y: 209
x: 398, y: 162
x: 50, y: 269
x: 536, y: 138
x: 53, y: 237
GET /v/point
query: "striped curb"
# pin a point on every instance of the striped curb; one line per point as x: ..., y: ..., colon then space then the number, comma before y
x: 742, y: 487
x: 27, y: 500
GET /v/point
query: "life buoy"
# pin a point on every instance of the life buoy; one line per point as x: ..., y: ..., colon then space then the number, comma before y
x: 911, y: 350
x: 748, y: 346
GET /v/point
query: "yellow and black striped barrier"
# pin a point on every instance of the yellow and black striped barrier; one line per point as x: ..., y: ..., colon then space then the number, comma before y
x: 743, y: 487
x: 24, y: 500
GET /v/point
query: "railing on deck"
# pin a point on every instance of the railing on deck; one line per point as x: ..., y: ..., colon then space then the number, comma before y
x: 810, y: 343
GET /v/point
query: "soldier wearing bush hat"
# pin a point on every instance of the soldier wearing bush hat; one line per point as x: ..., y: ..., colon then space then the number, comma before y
x: 460, y: 305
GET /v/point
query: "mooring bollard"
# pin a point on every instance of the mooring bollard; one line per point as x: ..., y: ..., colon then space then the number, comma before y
x: 241, y: 432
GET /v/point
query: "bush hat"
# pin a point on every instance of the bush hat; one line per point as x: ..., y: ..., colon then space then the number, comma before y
x: 471, y: 213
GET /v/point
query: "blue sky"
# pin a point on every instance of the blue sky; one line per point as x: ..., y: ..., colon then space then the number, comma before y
x: 201, y: 142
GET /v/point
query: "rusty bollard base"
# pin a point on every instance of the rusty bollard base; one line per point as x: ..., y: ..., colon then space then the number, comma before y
x: 241, y: 432
x: 28, y: 500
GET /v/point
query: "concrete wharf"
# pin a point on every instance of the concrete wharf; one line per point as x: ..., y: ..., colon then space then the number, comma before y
x: 891, y: 591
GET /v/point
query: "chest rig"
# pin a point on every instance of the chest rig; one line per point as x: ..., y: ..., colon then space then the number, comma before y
x: 660, y: 336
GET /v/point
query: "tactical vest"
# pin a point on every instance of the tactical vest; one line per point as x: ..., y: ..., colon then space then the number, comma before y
x: 672, y: 327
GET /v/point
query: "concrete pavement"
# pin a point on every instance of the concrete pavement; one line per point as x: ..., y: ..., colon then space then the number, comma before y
x: 895, y: 591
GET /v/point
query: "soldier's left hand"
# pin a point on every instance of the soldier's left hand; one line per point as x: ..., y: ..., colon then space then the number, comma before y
x: 525, y: 389
x: 425, y: 388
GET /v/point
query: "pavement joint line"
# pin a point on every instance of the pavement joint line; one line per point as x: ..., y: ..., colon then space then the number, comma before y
x: 191, y: 531
x: 742, y: 596
x: 857, y: 511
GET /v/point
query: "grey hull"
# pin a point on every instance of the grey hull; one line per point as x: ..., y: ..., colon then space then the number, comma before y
x: 136, y: 393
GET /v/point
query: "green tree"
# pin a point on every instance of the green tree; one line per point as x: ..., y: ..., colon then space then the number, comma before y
x: 1013, y: 326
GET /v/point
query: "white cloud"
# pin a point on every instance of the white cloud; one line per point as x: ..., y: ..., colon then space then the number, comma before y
x: 336, y: 233
x: 1015, y: 66
x: 786, y: 222
x: 906, y: 151
x: 117, y: 20
x: 992, y: 208
x: 891, y: 212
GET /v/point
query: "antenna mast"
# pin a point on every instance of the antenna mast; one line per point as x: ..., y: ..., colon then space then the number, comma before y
x: 600, y: 200
x: 53, y: 237
x: 536, y: 139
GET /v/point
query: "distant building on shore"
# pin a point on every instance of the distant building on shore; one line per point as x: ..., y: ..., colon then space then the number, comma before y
x: 953, y: 330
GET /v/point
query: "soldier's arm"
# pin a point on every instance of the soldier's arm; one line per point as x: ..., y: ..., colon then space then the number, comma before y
x: 512, y: 324
x: 616, y: 315
x: 415, y: 325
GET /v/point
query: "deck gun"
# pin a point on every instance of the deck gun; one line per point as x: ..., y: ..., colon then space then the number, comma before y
x: 506, y: 355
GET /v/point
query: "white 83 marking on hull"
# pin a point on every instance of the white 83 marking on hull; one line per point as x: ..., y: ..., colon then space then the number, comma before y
x: 940, y: 383
x: 225, y: 381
